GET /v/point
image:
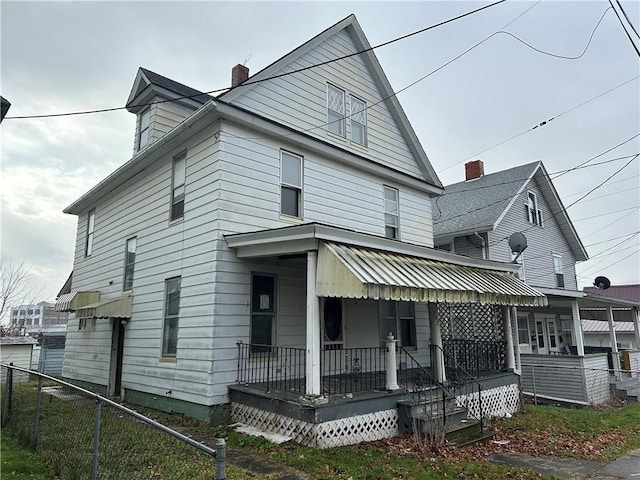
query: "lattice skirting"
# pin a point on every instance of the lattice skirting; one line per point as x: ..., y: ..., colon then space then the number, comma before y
x: 496, y: 402
x: 334, y: 433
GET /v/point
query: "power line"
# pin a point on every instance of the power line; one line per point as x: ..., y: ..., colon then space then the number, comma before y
x: 250, y: 82
x: 625, y: 29
x: 627, y: 17
x: 609, y: 224
x: 626, y: 179
x: 605, y: 214
x: 541, y: 124
x: 597, y: 264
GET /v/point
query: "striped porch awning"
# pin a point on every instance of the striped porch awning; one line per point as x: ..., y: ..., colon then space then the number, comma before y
x: 354, y: 272
x: 70, y: 302
x: 119, y: 307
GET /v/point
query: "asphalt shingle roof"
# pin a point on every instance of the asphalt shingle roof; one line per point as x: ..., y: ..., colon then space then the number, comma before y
x: 176, y: 87
x: 478, y: 204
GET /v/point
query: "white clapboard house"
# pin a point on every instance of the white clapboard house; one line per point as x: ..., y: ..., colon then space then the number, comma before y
x: 252, y: 257
x: 476, y: 218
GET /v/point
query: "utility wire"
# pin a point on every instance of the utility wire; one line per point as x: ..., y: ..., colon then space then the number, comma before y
x: 597, y: 264
x: 605, y: 214
x: 541, y: 124
x: 252, y: 82
x: 625, y: 29
x: 627, y: 17
x: 608, y: 224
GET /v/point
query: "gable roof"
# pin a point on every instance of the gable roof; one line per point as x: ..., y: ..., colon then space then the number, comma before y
x: 621, y: 292
x: 146, y: 78
x: 479, y: 205
x: 351, y: 25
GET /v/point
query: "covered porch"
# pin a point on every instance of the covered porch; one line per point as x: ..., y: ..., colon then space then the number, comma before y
x: 382, y: 319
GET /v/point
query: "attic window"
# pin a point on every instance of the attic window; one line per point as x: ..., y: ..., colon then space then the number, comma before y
x: 534, y: 214
x: 143, y: 136
x: 358, y: 121
x: 335, y: 110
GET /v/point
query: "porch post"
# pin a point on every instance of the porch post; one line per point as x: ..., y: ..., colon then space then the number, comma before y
x: 508, y: 334
x: 514, y: 327
x: 436, y: 339
x: 577, y: 328
x: 635, y: 316
x: 391, y: 377
x: 313, y: 328
x: 614, y: 341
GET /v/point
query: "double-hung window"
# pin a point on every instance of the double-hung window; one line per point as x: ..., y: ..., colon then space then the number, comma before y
x: 129, y: 263
x: 178, y: 185
x: 263, y: 312
x: 534, y: 214
x: 559, y: 270
x: 399, y: 319
x: 143, y: 135
x: 290, y: 184
x: 391, y: 224
x: 171, y: 315
x: 358, y: 121
x: 88, y: 244
x: 335, y: 110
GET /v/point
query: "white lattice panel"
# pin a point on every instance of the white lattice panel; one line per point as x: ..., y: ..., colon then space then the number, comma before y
x: 335, y: 433
x: 496, y: 402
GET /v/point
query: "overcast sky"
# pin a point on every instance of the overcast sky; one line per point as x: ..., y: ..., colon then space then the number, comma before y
x: 68, y: 56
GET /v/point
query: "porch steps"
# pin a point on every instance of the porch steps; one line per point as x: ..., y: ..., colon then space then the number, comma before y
x: 628, y: 388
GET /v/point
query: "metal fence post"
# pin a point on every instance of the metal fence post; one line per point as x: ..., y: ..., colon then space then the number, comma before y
x: 8, y: 396
x: 96, y: 439
x: 36, y: 419
x: 221, y: 458
x: 533, y: 376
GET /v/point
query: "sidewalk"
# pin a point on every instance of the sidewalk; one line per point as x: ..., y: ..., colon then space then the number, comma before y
x: 627, y: 467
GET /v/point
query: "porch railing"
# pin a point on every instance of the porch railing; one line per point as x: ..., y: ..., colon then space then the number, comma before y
x: 283, y: 369
x: 473, y: 357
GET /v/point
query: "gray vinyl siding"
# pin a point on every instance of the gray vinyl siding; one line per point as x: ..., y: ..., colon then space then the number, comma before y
x: 542, y: 243
x: 462, y: 246
x: 20, y: 356
x: 163, y: 117
x: 300, y: 101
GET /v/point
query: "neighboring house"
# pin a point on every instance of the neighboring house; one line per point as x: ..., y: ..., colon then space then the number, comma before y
x: 626, y: 293
x: 16, y: 350
x: 596, y: 334
x: 477, y: 217
x: 48, y: 354
x: 39, y: 317
x: 259, y: 247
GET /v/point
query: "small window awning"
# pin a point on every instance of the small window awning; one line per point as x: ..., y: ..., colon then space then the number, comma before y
x: 354, y: 272
x: 115, y: 307
x: 70, y: 302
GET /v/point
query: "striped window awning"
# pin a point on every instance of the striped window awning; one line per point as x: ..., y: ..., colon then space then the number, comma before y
x: 119, y: 307
x: 70, y: 302
x: 354, y: 272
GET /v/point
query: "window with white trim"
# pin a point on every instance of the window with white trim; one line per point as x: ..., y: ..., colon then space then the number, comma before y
x: 91, y: 223
x: 523, y: 330
x: 143, y: 134
x: 263, y: 312
x: 358, y: 121
x: 558, y: 269
x: 391, y: 221
x: 290, y: 184
x: 335, y: 110
x: 534, y: 214
x: 178, y: 180
x: 129, y: 263
x: 171, y: 316
x: 399, y: 319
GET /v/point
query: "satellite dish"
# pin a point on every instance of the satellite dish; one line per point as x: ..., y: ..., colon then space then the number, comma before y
x: 518, y: 244
x: 601, y: 283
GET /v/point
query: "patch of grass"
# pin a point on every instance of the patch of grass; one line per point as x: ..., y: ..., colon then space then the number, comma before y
x: 21, y: 463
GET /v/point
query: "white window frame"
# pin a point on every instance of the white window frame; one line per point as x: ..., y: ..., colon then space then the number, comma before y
x: 178, y: 186
x: 389, y: 213
x: 289, y: 183
x: 397, y: 320
x: 355, y: 124
x: 129, y: 263
x: 91, y: 225
x: 534, y: 214
x: 171, y: 286
x: 558, y: 270
x: 336, y: 121
x: 143, y: 130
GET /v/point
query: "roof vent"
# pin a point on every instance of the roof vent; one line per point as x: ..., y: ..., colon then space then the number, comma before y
x: 473, y: 170
x: 239, y: 74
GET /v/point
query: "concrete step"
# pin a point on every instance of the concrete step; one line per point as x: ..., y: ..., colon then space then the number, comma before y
x: 462, y: 432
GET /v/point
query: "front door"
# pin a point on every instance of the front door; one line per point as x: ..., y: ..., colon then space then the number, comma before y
x: 553, y: 339
x: 541, y: 337
x: 117, y: 350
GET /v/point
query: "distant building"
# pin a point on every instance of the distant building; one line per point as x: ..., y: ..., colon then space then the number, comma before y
x: 36, y: 318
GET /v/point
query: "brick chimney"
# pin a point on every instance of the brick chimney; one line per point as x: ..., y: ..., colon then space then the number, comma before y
x: 473, y: 169
x: 239, y: 74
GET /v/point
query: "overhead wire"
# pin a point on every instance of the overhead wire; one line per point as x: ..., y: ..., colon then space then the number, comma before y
x: 627, y: 17
x: 635, y: 47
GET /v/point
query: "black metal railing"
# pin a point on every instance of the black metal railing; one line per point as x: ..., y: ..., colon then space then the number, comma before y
x: 272, y: 368
x: 473, y: 356
x: 462, y: 385
x: 352, y: 370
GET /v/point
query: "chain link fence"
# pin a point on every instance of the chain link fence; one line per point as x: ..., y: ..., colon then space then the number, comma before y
x: 83, y: 435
